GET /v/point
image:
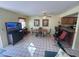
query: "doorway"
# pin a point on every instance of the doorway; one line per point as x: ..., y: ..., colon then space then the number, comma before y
x: 69, y: 23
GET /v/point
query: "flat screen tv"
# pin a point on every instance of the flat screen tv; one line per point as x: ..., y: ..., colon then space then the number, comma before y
x: 13, y: 25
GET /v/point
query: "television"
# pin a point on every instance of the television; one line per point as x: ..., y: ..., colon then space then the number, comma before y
x: 13, y: 25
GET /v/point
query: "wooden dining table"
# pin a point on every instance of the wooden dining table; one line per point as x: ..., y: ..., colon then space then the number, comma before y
x: 42, y: 31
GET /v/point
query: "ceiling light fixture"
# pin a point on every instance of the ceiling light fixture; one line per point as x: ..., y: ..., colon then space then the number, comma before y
x: 45, y: 15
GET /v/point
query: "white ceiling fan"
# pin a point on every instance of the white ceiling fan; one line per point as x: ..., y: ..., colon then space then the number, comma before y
x: 45, y: 15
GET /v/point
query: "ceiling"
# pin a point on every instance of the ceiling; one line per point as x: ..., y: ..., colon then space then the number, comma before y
x: 33, y: 8
x: 72, y: 15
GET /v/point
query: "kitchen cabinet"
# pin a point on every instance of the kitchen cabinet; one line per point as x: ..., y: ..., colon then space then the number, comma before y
x: 68, y: 20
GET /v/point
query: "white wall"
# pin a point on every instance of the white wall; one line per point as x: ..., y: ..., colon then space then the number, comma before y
x: 76, y: 40
x: 6, y: 16
x: 0, y: 41
x: 53, y: 21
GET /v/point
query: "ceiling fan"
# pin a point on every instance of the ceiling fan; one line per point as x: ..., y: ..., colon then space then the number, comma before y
x: 45, y: 15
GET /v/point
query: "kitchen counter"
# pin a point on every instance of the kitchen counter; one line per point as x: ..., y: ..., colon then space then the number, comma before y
x: 68, y: 30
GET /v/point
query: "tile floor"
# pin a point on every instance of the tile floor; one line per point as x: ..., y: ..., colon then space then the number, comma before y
x: 31, y: 46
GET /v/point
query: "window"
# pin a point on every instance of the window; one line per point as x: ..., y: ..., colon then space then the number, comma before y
x: 23, y: 23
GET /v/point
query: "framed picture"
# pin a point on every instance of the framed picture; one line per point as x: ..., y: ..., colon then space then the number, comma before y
x: 36, y: 22
x: 45, y: 22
